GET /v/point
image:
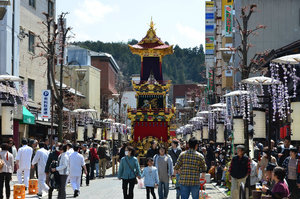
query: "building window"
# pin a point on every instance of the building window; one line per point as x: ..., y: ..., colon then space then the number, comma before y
x: 50, y: 8
x: 31, y: 89
x: 31, y: 39
x: 32, y: 3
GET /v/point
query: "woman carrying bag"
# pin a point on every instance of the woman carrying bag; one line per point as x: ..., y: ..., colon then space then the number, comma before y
x: 7, y: 163
x: 129, y: 170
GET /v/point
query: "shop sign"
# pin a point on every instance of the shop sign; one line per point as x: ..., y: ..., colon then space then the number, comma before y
x: 46, y: 103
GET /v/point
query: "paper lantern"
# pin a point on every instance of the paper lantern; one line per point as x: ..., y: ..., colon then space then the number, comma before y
x: 198, y: 134
x: 259, y: 124
x: 90, y: 130
x: 295, y: 125
x: 220, y: 133
x: 98, y: 134
x: 7, y: 119
x: 80, y: 133
x: 238, y: 131
x: 205, y: 135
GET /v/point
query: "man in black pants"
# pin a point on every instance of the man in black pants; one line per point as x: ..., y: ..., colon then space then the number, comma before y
x: 53, y: 156
x: 87, y: 156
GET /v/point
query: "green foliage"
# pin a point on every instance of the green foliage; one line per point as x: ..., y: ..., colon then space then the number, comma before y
x: 186, y: 65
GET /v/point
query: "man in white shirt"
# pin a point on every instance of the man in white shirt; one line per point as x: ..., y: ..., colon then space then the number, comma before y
x: 41, y: 158
x: 76, y: 164
x: 23, y: 161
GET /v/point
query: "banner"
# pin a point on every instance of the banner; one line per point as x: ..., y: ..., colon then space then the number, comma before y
x: 228, y: 21
x: 46, y: 103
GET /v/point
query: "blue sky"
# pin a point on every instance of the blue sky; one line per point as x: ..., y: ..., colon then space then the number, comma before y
x: 177, y: 21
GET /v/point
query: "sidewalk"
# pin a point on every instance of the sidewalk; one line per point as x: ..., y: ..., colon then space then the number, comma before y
x: 110, y: 187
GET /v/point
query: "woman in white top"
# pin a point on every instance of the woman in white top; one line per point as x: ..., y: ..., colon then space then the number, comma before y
x: 63, y: 170
x: 7, y: 170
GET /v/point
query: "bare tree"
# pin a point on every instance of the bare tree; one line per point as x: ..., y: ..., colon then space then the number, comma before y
x: 56, y: 34
x: 245, y: 34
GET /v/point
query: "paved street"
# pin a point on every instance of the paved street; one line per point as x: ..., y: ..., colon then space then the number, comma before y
x: 110, y: 188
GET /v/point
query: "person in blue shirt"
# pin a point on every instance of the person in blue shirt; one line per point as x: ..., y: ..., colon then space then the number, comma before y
x: 150, y: 174
x: 129, y: 169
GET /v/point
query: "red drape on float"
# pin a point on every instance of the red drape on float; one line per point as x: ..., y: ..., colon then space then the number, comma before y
x: 154, y: 129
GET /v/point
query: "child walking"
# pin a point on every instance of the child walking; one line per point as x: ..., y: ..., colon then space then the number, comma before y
x: 150, y: 175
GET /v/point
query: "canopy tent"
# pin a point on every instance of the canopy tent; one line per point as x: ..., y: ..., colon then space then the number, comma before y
x: 289, y: 59
x: 261, y: 80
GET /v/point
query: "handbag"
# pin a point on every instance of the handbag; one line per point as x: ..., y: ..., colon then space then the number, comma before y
x: 136, y: 181
x: 1, y: 163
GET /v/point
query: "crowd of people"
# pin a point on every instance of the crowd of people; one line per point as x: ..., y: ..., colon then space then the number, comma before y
x: 275, y: 171
x: 54, y: 166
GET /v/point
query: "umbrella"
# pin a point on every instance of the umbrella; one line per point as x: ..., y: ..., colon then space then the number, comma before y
x: 261, y: 80
x: 237, y: 93
x: 90, y: 110
x: 218, y: 110
x: 218, y: 105
x: 289, y: 59
x: 204, y: 112
x: 79, y: 110
x: 10, y: 78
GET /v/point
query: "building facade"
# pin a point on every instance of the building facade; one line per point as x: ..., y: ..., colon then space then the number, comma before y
x: 33, y: 67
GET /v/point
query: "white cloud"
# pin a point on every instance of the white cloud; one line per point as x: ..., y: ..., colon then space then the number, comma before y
x: 194, y: 36
x: 92, y: 11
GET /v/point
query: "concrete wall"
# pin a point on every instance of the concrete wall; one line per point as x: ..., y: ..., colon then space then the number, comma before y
x: 31, y: 64
x: 94, y: 99
x: 89, y: 86
x: 282, y: 19
x: 6, y: 40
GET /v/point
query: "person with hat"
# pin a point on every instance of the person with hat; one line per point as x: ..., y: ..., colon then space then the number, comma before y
x: 76, y: 164
x: 292, y: 167
x: 262, y: 164
x: 239, y: 170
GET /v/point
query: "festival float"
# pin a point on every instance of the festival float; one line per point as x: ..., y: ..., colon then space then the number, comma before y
x: 152, y: 118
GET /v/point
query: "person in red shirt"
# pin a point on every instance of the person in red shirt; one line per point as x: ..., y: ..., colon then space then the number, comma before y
x: 94, y: 160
